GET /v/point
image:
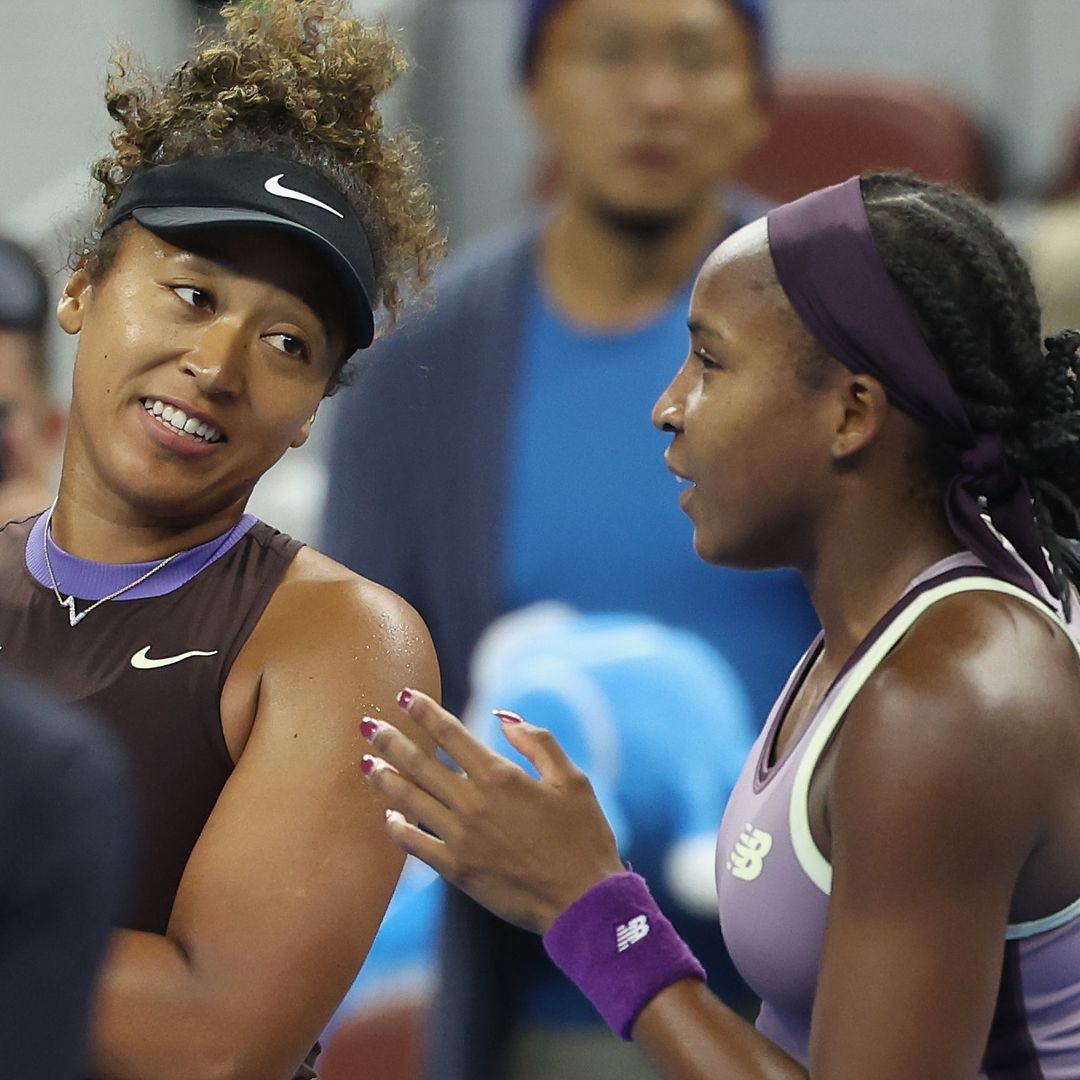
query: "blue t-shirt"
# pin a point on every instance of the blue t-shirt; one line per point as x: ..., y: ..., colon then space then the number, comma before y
x: 592, y: 511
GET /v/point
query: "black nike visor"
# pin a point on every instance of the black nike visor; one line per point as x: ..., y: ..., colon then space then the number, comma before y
x: 257, y: 191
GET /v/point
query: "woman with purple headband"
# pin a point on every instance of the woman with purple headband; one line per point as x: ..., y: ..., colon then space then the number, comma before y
x: 898, y: 869
x: 254, y: 218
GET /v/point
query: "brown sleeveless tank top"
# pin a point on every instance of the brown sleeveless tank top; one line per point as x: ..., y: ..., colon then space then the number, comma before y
x: 166, y: 715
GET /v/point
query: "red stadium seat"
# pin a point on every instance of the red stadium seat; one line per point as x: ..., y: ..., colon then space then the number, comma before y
x: 827, y: 128
x: 1068, y: 184
x: 382, y: 1042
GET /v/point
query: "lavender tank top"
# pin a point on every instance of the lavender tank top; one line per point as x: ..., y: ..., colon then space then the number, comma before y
x: 773, y: 882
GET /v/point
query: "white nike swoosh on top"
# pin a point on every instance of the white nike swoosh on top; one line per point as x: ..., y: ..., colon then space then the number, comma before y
x: 145, y: 663
x: 273, y: 185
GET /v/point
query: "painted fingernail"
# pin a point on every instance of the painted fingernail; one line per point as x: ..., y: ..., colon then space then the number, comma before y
x: 405, y: 698
x: 508, y: 717
x: 368, y: 764
x: 395, y: 816
x: 369, y: 727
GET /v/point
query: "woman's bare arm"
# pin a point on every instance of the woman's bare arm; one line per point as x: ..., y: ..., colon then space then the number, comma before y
x: 286, y: 887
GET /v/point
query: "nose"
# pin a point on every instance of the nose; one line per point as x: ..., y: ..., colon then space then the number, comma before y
x: 216, y: 359
x: 660, y: 89
x: 667, y: 413
x: 660, y: 83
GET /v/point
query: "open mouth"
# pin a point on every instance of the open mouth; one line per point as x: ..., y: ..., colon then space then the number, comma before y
x: 179, y: 423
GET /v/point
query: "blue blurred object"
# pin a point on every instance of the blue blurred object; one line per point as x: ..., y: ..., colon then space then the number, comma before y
x: 660, y: 723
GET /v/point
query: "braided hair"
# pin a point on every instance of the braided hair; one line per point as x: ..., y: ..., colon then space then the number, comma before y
x: 972, y: 295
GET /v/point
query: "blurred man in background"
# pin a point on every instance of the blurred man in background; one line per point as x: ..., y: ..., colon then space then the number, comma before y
x: 31, y: 423
x: 510, y: 425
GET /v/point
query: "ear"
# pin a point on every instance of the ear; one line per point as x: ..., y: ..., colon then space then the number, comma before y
x: 864, y: 406
x: 74, y: 302
x: 754, y: 126
x: 541, y: 110
x: 305, y: 431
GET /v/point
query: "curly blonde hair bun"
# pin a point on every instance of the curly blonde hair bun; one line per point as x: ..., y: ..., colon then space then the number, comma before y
x: 298, y: 79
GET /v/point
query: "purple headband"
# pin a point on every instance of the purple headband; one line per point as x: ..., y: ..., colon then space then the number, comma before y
x: 832, y: 272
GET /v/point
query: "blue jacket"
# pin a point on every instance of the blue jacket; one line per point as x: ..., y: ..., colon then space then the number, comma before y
x: 427, y: 417
x: 418, y: 459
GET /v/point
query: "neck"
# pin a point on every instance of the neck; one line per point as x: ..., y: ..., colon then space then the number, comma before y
x: 864, y: 559
x: 106, y: 529
x: 601, y: 275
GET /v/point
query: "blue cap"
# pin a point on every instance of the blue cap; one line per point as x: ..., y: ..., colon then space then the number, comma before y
x: 24, y: 293
x: 539, y: 11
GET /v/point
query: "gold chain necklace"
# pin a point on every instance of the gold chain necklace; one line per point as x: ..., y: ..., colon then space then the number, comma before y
x: 77, y: 617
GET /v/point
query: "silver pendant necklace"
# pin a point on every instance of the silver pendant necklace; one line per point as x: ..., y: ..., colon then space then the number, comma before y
x: 77, y: 617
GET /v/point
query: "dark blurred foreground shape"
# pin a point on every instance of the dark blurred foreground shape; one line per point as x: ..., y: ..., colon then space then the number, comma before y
x: 826, y: 128
x: 65, y: 844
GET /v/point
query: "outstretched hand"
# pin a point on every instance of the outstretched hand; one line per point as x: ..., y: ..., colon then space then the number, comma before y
x: 525, y: 849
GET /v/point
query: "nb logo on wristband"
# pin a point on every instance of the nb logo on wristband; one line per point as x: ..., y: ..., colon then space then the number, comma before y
x: 631, y: 933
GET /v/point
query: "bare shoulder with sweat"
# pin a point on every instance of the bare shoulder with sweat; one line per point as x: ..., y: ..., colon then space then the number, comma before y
x: 950, y: 817
x: 326, y: 622
x: 1002, y: 668
x: 293, y: 870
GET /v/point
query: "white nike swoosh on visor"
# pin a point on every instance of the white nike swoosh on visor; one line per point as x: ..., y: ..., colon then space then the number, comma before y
x: 143, y: 662
x: 273, y: 185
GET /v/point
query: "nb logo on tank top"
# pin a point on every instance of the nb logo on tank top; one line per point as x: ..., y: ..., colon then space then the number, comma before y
x: 748, y: 857
x: 632, y: 932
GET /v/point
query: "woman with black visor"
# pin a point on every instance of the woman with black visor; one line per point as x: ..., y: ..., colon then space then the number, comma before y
x: 254, y: 218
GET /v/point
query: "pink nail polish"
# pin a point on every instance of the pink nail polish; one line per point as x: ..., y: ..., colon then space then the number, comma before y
x: 405, y: 698
x: 367, y: 764
x: 369, y: 727
x: 508, y: 717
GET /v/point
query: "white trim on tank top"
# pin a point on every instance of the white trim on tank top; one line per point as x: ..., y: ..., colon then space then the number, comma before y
x: 816, y: 867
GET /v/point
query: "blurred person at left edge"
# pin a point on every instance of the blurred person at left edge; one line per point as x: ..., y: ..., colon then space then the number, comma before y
x: 31, y: 422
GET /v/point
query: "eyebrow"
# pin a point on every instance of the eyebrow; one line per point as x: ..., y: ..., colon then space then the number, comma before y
x: 703, y: 329
x: 608, y: 19
x: 193, y: 261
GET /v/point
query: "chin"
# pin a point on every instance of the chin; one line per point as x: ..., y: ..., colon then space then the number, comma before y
x: 708, y: 550
x: 735, y: 553
x: 639, y: 219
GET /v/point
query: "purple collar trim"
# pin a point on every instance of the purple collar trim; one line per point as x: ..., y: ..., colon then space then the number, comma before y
x: 833, y: 275
x: 93, y: 580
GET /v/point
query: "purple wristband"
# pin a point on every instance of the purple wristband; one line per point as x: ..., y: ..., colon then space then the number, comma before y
x: 620, y: 949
